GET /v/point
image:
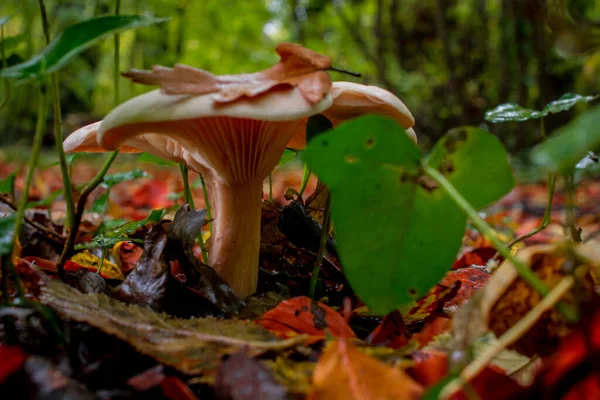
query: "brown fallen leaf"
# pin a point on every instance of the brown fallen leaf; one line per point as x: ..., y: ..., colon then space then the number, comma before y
x: 343, y: 372
x: 299, y: 67
x: 189, y: 345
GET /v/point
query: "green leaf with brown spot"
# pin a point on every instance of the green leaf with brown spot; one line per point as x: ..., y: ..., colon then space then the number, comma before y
x: 388, y: 215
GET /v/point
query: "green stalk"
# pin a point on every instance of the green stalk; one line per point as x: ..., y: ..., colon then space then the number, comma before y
x: 116, y: 61
x: 206, y: 201
x: 35, y: 154
x: 58, y: 135
x: 323, y: 243
x: 305, y: 177
x: 187, y: 191
x: 7, y: 86
x: 103, y: 256
x: 523, y: 270
x: 547, y: 213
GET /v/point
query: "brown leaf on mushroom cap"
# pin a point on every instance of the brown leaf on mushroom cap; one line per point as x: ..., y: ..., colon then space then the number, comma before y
x: 298, y: 67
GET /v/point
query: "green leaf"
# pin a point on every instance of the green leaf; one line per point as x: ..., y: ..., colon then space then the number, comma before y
x: 73, y: 41
x: 287, y: 156
x: 120, y: 177
x: 7, y: 185
x: 99, y: 206
x: 570, y: 143
x: 70, y: 157
x: 7, y: 228
x: 510, y: 112
x: 108, y: 239
x: 388, y: 215
x: 316, y: 125
x: 152, y: 159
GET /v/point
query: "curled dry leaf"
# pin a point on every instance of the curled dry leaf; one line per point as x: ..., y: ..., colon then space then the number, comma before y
x: 343, y: 372
x: 191, y: 346
x: 299, y: 67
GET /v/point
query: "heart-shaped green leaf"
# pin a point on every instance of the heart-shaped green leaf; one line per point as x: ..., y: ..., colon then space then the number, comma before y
x: 511, y: 112
x: 569, y: 144
x: 388, y: 215
x: 287, y: 156
x: 73, y: 41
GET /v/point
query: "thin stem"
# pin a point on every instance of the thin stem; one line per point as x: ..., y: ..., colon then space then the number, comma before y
x: 271, y: 187
x: 7, y: 86
x: 345, y: 71
x: 547, y: 213
x: 116, y: 62
x: 85, y: 192
x: 305, y: 178
x: 48, y: 232
x: 542, y: 129
x: 58, y: 135
x: 571, y: 210
x: 103, y: 256
x: 187, y: 192
x: 509, y: 337
x: 22, y: 205
x: 206, y: 202
x: 523, y: 270
x: 322, y: 245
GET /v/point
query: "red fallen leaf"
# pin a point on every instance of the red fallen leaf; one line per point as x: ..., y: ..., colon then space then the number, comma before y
x: 44, y: 264
x: 432, y: 304
x: 392, y: 332
x: 147, y: 379
x: 301, y: 315
x: 433, y: 329
x: 73, y: 266
x: 343, y: 372
x: 299, y: 67
x: 431, y: 366
x: 13, y: 358
x: 479, y: 256
x: 471, y: 279
x: 128, y: 254
x: 152, y: 194
x: 175, y: 389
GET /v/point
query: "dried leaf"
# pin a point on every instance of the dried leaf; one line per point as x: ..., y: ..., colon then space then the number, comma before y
x: 191, y: 346
x: 392, y: 332
x: 303, y: 315
x: 343, y: 372
x: 87, y: 260
x: 298, y: 67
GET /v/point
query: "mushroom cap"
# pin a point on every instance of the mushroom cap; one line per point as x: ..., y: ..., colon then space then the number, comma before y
x: 351, y: 100
x: 84, y: 140
x: 135, y: 116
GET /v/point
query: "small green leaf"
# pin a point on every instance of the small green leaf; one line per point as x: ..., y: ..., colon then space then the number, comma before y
x: 152, y: 159
x: 70, y: 157
x: 99, y: 206
x: 7, y: 229
x: 108, y: 239
x: 388, y: 215
x: 7, y: 185
x: 565, y: 103
x: 510, y: 112
x: 120, y: 177
x: 73, y: 41
x: 570, y: 143
x: 287, y: 156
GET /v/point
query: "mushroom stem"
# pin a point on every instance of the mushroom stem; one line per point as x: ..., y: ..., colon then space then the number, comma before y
x: 235, y: 238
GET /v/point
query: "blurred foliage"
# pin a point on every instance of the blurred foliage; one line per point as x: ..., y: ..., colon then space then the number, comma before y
x: 449, y: 60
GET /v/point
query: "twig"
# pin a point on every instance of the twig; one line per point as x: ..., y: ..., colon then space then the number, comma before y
x: 322, y: 245
x: 31, y: 222
x: 523, y: 270
x: 509, y: 337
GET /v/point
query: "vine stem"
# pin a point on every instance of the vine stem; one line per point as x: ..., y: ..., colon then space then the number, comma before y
x: 58, y: 134
x: 20, y: 213
x: 508, y: 338
x: 523, y: 270
x: 322, y: 244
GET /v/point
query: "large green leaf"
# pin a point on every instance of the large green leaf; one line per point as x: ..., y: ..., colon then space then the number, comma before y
x: 511, y: 112
x: 73, y: 41
x: 569, y: 144
x: 7, y: 228
x: 120, y: 177
x: 388, y: 215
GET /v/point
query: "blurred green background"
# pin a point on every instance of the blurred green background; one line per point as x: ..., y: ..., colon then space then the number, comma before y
x: 448, y: 60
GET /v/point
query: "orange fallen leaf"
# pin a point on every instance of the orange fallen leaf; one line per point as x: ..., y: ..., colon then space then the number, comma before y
x: 299, y: 67
x: 301, y: 315
x: 392, y: 332
x: 343, y: 372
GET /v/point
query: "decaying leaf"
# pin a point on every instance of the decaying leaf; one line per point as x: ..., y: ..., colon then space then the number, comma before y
x: 87, y: 260
x: 298, y: 67
x: 191, y: 346
x: 343, y: 372
x: 301, y: 315
x: 507, y: 298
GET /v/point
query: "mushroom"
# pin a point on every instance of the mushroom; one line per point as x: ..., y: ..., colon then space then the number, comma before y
x: 233, y: 145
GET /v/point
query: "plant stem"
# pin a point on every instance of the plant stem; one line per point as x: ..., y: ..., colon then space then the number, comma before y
x: 323, y: 243
x: 305, y: 177
x: 187, y: 191
x: 102, y: 257
x: 85, y: 192
x: 547, y: 213
x: 116, y: 61
x: 4, y: 101
x: 58, y: 135
x: 271, y: 188
x: 523, y: 270
x: 206, y: 201
x: 20, y: 214
x: 571, y: 212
